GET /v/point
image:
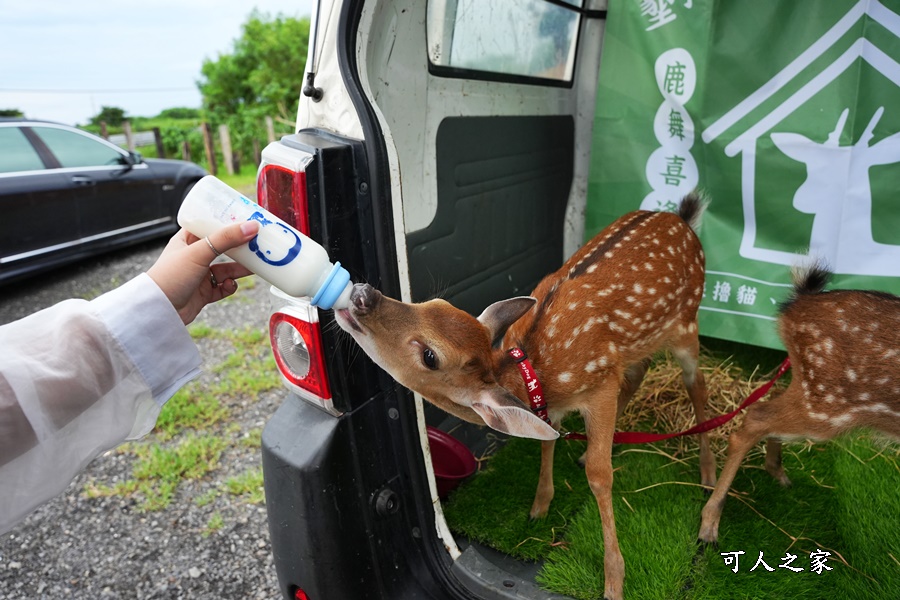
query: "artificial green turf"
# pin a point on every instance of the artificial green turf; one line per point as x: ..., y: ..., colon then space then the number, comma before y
x: 844, y: 500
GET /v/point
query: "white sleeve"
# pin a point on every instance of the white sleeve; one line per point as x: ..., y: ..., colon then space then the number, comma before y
x: 79, y: 378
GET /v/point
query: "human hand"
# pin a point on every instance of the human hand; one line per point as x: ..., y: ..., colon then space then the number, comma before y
x: 184, y: 274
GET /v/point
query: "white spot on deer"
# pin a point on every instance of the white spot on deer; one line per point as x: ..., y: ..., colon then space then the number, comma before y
x: 616, y: 327
x: 648, y: 266
x: 565, y: 377
x: 608, y: 254
x: 841, y: 420
x: 851, y: 374
x: 819, y: 416
x: 638, y: 288
x: 573, y: 305
x: 819, y: 387
x: 882, y: 380
x: 622, y: 313
x: 612, y: 348
x: 591, y: 269
x: 890, y: 353
x: 829, y: 398
x: 864, y: 397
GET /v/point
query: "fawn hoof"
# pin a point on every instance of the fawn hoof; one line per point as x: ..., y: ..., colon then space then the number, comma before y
x: 783, y: 480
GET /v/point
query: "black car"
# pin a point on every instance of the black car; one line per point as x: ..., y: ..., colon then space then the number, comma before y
x: 67, y: 194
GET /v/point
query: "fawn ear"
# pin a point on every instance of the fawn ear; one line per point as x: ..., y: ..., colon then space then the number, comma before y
x: 500, y: 315
x: 504, y: 412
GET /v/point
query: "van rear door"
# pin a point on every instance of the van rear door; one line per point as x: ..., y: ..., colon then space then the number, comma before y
x: 487, y: 110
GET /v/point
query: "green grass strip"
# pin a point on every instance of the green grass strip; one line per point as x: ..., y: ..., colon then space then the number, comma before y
x: 843, y: 500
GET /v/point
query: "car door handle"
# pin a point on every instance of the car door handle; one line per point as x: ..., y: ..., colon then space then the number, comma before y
x: 82, y: 180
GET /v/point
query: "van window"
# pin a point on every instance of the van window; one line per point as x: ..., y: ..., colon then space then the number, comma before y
x: 503, y: 39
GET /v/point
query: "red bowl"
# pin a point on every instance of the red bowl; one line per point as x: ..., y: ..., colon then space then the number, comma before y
x: 451, y: 460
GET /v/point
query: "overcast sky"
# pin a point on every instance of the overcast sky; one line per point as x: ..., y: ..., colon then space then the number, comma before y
x: 63, y: 60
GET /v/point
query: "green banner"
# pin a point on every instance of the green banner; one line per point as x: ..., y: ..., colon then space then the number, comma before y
x: 785, y: 113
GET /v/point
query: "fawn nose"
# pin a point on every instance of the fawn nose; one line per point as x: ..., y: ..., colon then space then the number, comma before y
x: 364, y: 298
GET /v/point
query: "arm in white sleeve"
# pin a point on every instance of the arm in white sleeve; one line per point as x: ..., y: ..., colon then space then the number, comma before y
x: 79, y: 378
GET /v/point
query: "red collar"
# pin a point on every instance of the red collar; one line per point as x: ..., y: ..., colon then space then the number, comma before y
x: 532, y: 384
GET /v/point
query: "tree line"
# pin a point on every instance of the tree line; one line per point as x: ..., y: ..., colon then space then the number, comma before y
x: 261, y: 77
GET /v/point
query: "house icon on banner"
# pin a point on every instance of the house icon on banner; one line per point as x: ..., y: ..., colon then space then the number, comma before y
x: 837, y: 186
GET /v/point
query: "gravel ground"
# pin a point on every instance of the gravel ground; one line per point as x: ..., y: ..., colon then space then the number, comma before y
x: 75, y: 547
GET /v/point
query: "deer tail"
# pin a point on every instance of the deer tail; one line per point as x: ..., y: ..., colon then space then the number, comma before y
x: 808, y: 280
x: 692, y: 207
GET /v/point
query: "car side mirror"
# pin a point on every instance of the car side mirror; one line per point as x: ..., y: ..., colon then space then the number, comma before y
x: 134, y: 158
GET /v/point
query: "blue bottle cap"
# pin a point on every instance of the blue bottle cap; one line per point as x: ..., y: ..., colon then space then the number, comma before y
x: 332, y: 288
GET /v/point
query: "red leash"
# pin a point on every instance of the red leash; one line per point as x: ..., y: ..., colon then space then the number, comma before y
x: 539, y: 406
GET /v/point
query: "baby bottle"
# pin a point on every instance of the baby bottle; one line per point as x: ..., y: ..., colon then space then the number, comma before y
x: 280, y: 254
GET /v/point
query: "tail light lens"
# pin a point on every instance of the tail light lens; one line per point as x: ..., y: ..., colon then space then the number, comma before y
x: 294, y: 330
x: 281, y: 184
x: 283, y: 193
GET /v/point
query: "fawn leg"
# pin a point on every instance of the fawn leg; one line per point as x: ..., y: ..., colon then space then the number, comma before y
x: 600, y: 420
x: 687, y: 353
x: 544, y: 493
x: 634, y: 375
x: 773, y: 461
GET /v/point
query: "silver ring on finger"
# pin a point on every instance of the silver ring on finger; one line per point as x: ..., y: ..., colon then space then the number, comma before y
x: 213, y: 280
x: 211, y: 247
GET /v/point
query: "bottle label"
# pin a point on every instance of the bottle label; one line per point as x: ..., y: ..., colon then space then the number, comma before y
x: 275, y: 243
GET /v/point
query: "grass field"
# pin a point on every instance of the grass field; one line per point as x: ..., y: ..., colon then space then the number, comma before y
x: 193, y: 430
x: 844, y: 501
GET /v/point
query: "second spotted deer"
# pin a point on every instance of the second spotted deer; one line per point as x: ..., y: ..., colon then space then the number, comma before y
x: 844, y: 348
x: 589, y: 330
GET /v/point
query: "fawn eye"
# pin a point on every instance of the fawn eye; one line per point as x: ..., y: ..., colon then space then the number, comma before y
x: 429, y: 359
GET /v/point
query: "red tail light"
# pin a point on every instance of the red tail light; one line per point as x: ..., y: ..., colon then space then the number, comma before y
x: 283, y: 193
x: 294, y: 325
x: 297, y: 345
x: 281, y: 184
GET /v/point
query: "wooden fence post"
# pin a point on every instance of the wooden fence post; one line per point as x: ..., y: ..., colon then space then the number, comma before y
x: 225, y: 139
x: 186, y: 150
x: 157, y: 137
x: 210, y: 150
x: 103, y: 131
x: 270, y: 129
x: 129, y: 138
x: 257, y: 155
